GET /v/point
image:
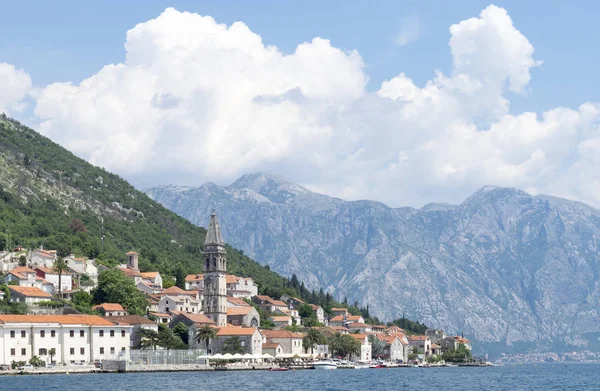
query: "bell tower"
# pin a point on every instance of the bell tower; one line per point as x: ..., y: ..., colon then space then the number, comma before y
x: 215, y: 273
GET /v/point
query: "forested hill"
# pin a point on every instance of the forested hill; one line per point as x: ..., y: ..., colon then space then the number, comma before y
x: 46, y: 193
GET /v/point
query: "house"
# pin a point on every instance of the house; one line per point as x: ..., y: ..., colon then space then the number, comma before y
x: 83, y: 266
x: 24, y: 276
x: 193, y: 323
x: 338, y: 321
x: 177, y: 291
x: 341, y: 320
x: 153, y: 278
x: 293, y: 302
x: 110, y: 309
x: 251, y: 339
x: 395, y: 349
x: 71, y: 338
x: 194, y: 282
x: 355, y: 319
x: 365, y: 346
x: 319, y: 312
x: 340, y: 329
x: 269, y: 304
x: 362, y: 328
x: 453, y: 343
x: 51, y: 275
x: 241, y: 287
x: 136, y: 322
x: 436, y: 349
x: 243, y: 316
x: 436, y: 336
x: 394, y: 330
x: 339, y: 312
x: 281, y: 322
x: 27, y: 294
x: 293, y: 314
x: 272, y: 348
x: 162, y: 317
x: 378, y: 328
x: 183, y: 303
x: 41, y: 257
x: 421, y: 343
x: 290, y: 341
x: 147, y: 288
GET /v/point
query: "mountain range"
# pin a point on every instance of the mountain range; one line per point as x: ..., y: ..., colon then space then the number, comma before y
x: 509, y: 270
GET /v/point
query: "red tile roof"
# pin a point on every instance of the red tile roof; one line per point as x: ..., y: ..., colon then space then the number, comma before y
x: 239, y: 310
x: 29, y: 291
x: 233, y: 330
x: 47, y: 270
x: 109, y: 307
x: 194, y: 277
x: 198, y: 318
x: 281, y: 334
x: 91, y: 320
x: 130, y: 319
x: 237, y: 302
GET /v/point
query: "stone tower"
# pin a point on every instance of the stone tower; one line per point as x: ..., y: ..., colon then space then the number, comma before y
x: 132, y: 260
x: 215, y: 274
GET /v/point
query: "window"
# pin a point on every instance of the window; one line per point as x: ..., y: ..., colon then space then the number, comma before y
x: 123, y: 349
x: 81, y: 333
x: 42, y: 352
x: 71, y: 333
x: 112, y: 333
x: 112, y: 350
x: 23, y: 334
x: 12, y: 333
x: 42, y: 334
x: 122, y: 333
x: 12, y: 352
x: 101, y: 350
x: 23, y: 352
x: 53, y: 333
x: 102, y: 333
x: 81, y: 350
x: 72, y: 351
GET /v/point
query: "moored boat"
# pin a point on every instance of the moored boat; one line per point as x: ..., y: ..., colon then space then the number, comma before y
x: 324, y: 364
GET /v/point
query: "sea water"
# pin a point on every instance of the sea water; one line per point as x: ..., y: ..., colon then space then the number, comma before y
x: 521, y: 377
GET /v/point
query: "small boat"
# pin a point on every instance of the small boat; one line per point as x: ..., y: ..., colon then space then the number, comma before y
x: 324, y: 364
x: 279, y: 369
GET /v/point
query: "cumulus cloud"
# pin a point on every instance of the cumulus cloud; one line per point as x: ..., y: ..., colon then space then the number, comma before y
x: 15, y: 84
x: 198, y: 100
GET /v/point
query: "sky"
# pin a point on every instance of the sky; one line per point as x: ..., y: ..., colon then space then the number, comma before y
x: 405, y: 102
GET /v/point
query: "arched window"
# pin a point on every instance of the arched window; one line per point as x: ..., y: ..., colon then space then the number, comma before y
x: 215, y: 262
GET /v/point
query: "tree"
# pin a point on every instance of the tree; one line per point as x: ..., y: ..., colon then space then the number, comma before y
x: 205, y: 334
x: 36, y: 361
x: 181, y: 330
x: 309, y: 318
x: 52, y: 353
x: 180, y: 278
x: 82, y: 302
x: 22, y: 260
x: 343, y: 345
x: 168, y: 339
x: 233, y: 345
x: 59, y: 267
x: 377, y: 346
x: 77, y: 226
x: 312, y: 339
x: 115, y: 287
x: 149, y: 338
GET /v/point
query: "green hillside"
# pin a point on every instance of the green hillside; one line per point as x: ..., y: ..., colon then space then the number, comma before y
x: 50, y: 197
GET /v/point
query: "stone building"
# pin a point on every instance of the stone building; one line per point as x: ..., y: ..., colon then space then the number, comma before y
x: 215, y: 274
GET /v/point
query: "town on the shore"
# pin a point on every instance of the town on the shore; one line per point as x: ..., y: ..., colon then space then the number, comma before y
x: 219, y: 321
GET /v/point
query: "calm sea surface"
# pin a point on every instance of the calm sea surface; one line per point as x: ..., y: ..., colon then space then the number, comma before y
x: 523, y: 377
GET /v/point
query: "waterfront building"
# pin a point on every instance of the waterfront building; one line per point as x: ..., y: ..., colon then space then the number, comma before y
x: 215, y: 273
x: 251, y: 339
x: 136, y: 322
x: 62, y: 338
x: 27, y: 294
x: 365, y: 346
x: 290, y: 341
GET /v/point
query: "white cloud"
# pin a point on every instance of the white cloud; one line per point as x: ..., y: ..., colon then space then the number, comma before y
x: 197, y: 100
x: 410, y: 30
x: 15, y: 84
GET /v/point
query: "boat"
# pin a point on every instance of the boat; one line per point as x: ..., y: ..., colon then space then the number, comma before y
x: 324, y: 364
x: 361, y: 365
x: 279, y: 369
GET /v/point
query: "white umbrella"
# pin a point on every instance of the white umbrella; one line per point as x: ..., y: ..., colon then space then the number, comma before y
x: 217, y: 356
x: 227, y: 356
x: 267, y: 356
x: 237, y: 355
x: 248, y: 356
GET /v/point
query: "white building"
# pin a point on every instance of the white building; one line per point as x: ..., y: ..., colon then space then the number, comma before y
x: 71, y: 338
x: 183, y: 303
x: 83, y: 266
x: 290, y: 341
x: 24, y: 276
x: 27, y: 294
x: 366, y: 348
x: 41, y: 257
x: 240, y: 287
x: 250, y: 338
x: 50, y: 275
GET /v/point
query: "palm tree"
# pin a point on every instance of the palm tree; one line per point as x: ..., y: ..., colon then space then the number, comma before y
x: 312, y: 339
x: 59, y: 267
x: 233, y: 345
x: 205, y: 334
x: 148, y: 338
x: 51, y: 352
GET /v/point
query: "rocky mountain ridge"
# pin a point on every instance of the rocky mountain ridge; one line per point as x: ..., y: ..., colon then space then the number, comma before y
x: 507, y: 268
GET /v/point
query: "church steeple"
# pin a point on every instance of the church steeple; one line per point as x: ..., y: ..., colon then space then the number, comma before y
x: 213, y: 234
x: 215, y: 273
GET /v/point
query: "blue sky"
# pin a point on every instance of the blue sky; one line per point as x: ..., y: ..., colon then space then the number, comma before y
x: 182, y: 110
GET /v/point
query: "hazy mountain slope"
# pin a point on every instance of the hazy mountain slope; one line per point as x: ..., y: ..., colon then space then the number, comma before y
x: 505, y: 267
